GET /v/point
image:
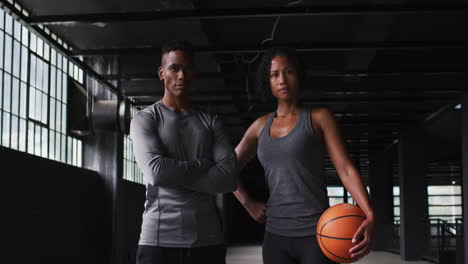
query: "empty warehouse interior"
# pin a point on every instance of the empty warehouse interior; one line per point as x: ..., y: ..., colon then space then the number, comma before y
x: 73, y: 73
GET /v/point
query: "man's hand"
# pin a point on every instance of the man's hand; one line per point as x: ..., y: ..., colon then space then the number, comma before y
x: 364, y: 238
x: 256, y: 210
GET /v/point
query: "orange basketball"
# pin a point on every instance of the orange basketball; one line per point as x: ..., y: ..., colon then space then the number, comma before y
x: 335, y: 231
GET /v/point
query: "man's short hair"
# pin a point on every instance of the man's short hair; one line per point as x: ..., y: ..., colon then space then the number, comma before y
x: 173, y: 45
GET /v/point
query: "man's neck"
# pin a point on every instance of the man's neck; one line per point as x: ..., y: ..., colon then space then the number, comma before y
x: 177, y: 103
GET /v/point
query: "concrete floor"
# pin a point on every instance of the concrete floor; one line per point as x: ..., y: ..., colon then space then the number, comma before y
x: 253, y: 255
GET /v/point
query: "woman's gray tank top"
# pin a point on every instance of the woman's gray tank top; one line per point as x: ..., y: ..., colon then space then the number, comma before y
x: 293, y: 167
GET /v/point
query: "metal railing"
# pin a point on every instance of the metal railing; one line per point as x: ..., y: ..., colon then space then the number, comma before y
x: 443, y: 237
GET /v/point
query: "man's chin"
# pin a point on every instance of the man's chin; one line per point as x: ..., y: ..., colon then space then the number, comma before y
x: 181, y: 93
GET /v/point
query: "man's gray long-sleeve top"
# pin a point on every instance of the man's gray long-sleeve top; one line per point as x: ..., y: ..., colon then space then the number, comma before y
x: 186, y: 158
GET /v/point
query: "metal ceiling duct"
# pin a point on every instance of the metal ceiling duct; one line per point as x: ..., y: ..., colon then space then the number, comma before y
x: 86, y: 114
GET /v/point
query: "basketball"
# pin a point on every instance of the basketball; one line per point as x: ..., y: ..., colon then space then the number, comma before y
x: 335, y: 231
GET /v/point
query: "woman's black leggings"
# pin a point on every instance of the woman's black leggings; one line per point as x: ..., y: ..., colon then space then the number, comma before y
x: 292, y: 250
x: 199, y: 255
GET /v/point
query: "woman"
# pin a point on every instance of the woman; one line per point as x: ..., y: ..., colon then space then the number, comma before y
x: 290, y: 144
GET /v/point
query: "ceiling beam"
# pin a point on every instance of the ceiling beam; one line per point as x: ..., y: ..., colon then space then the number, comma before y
x: 242, y: 13
x: 310, y: 73
x: 369, y: 101
x: 300, y: 47
x: 331, y: 92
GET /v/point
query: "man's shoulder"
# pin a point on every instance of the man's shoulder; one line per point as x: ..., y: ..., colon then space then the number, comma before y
x: 145, y: 114
x: 209, y: 118
x: 205, y: 112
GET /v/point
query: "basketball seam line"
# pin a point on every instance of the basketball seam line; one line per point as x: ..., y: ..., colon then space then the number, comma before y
x: 341, y: 238
x: 332, y: 252
x: 342, y: 217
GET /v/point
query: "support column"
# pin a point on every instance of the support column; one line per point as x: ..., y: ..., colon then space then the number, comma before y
x: 414, y: 226
x: 464, y: 169
x: 103, y: 153
x: 381, y: 197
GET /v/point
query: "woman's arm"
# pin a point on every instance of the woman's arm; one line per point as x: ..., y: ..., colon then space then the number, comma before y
x: 246, y: 151
x: 349, y: 176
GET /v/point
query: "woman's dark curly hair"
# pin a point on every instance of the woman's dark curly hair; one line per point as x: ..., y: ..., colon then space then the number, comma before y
x: 264, y: 66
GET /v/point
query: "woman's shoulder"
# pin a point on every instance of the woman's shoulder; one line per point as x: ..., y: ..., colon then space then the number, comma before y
x: 320, y: 113
x: 263, y: 119
x: 259, y: 123
x: 320, y: 116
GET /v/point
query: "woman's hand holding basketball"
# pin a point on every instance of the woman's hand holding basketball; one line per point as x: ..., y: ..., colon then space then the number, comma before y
x: 256, y: 210
x: 364, y: 238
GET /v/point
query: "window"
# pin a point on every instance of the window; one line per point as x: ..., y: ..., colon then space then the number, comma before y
x: 396, y: 203
x: 131, y: 172
x: 444, y: 202
x: 335, y: 195
x: 33, y: 95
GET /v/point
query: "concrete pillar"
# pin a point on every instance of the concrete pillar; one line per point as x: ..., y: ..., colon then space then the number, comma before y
x: 464, y: 169
x: 414, y: 228
x: 381, y: 197
x: 103, y: 152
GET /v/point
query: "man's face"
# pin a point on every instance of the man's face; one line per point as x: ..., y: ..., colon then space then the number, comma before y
x: 177, y: 72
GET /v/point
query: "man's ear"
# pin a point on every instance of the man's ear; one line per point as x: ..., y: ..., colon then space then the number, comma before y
x: 161, y: 73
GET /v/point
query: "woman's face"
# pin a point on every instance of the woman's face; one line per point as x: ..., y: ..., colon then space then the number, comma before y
x: 284, y: 80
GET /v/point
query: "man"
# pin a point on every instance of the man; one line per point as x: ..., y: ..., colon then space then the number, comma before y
x: 186, y: 158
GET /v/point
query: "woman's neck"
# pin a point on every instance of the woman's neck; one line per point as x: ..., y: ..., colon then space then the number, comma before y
x: 286, y: 108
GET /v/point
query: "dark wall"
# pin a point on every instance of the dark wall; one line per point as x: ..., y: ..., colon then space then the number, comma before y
x: 241, y: 227
x: 132, y: 199
x: 51, y: 212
